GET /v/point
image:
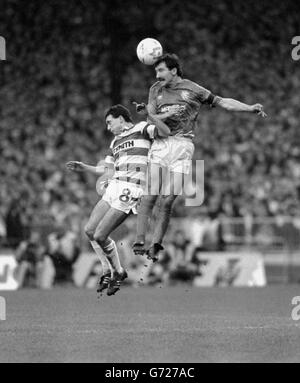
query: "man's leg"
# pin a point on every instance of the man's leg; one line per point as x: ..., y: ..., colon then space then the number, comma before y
x: 96, y: 216
x: 163, y: 220
x: 143, y: 219
x: 173, y: 186
x: 112, y: 219
x: 146, y: 207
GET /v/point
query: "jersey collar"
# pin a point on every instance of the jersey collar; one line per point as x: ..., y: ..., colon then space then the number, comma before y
x: 179, y: 81
x: 125, y: 130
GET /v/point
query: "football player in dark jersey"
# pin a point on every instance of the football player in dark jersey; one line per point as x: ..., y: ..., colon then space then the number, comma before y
x: 175, y: 151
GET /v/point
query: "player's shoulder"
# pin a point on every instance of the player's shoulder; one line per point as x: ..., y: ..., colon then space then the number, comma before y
x: 145, y: 128
x: 189, y: 84
x: 139, y: 126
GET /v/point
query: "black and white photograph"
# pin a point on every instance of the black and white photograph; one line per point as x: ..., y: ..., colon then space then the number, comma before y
x: 149, y: 184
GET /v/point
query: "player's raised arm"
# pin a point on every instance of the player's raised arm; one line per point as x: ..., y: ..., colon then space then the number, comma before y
x: 77, y: 166
x: 237, y: 106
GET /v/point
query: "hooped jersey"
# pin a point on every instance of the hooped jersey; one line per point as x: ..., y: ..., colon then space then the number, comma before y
x: 185, y: 93
x: 130, y: 152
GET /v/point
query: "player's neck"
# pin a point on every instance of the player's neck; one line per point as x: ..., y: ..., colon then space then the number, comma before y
x: 174, y: 81
x: 127, y: 127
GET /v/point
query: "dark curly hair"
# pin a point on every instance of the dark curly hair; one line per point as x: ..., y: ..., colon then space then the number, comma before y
x: 117, y: 111
x: 171, y: 61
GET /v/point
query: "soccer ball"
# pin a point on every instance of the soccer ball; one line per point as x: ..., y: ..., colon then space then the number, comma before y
x: 148, y: 51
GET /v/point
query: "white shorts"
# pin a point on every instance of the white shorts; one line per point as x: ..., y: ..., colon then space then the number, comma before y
x: 173, y: 152
x: 123, y: 196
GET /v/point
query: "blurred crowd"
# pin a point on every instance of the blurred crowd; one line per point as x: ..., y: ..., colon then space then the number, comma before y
x: 62, y: 259
x: 46, y: 263
x: 57, y: 82
x: 59, y: 259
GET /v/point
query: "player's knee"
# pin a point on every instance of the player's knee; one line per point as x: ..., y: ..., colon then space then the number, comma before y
x: 100, y: 237
x: 89, y: 233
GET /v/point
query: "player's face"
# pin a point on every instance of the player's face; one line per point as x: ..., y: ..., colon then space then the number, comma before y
x: 113, y: 124
x: 164, y: 74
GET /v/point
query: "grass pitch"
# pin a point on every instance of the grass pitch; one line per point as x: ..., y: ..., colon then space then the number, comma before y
x: 168, y: 324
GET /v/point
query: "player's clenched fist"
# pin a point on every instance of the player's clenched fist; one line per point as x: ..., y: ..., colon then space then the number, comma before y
x: 259, y: 109
x: 141, y: 108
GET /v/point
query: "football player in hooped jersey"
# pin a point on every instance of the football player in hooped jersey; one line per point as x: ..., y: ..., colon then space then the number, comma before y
x: 175, y: 151
x: 129, y: 155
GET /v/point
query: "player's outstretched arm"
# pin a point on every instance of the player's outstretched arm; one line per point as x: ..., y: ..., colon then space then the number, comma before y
x: 77, y: 166
x: 237, y: 106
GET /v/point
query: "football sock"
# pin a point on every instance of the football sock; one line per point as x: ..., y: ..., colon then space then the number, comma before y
x: 110, y: 249
x: 106, y: 266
